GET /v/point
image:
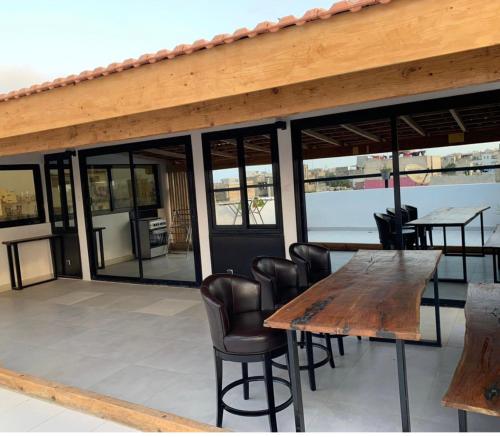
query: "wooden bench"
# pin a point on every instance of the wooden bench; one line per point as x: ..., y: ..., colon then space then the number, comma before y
x: 493, y: 243
x: 476, y: 383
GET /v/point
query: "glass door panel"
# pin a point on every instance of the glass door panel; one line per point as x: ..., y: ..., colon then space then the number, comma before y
x: 114, y: 226
x: 163, y: 191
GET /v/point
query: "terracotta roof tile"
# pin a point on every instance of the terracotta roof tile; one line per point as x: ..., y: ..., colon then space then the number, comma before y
x: 201, y: 44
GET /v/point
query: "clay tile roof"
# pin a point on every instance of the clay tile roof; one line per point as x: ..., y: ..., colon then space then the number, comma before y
x: 201, y: 44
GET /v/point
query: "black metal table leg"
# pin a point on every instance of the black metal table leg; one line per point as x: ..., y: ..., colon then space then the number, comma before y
x: 17, y: 265
x: 11, y: 267
x: 436, y: 309
x: 310, y: 361
x: 482, y: 233
x: 101, y: 250
x: 53, y: 257
x: 464, y: 253
x: 293, y: 368
x: 495, y: 267
x: 403, y: 386
x: 462, y: 421
x: 445, y: 248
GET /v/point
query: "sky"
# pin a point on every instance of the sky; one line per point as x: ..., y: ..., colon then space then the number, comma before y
x: 41, y: 40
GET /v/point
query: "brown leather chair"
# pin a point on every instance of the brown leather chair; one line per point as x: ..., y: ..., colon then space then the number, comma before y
x: 236, y: 320
x: 314, y: 263
x: 279, y: 279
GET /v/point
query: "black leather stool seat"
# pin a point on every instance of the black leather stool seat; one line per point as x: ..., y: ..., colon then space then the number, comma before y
x: 236, y: 320
x: 249, y: 336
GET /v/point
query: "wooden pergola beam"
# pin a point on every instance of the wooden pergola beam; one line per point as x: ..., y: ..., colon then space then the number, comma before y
x: 413, y: 124
x: 374, y: 38
x: 316, y: 135
x: 361, y: 132
x: 477, y: 67
x: 458, y: 120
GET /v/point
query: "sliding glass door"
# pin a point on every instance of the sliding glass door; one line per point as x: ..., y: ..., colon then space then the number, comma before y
x: 141, y: 211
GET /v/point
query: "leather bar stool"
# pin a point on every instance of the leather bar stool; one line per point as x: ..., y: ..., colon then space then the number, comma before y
x: 314, y: 263
x: 236, y: 319
x: 279, y: 280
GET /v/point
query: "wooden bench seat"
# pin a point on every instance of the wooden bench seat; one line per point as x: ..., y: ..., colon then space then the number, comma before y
x: 476, y: 383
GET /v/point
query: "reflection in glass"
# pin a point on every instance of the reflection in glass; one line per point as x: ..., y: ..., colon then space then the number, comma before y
x: 228, y: 208
x: 17, y: 195
x: 145, y: 180
x: 225, y: 171
x: 99, y: 189
x: 121, y: 187
x: 261, y: 206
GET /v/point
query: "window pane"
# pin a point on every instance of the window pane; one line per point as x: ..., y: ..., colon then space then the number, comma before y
x: 261, y: 207
x: 17, y: 195
x: 227, y: 208
x: 56, y: 196
x: 258, y: 160
x: 99, y: 189
x: 121, y: 185
x: 146, y: 185
x: 346, y: 181
x: 225, y: 171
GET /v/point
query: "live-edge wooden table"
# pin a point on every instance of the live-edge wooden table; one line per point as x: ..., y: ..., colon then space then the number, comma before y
x: 376, y: 294
x: 453, y: 217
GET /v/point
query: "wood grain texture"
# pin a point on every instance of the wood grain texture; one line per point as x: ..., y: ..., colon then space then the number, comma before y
x: 475, y: 385
x: 377, y: 294
x: 449, y: 216
x: 373, y: 38
x: 133, y: 415
x: 494, y: 240
x: 402, y: 80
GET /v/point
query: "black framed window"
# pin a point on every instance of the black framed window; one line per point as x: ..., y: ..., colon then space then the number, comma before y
x: 110, y: 187
x: 242, y: 178
x: 21, y: 197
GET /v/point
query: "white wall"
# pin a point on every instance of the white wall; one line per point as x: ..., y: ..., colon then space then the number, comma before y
x: 117, y: 238
x: 34, y: 257
x: 354, y: 209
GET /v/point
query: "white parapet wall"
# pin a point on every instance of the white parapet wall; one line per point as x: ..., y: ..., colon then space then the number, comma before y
x: 351, y: 210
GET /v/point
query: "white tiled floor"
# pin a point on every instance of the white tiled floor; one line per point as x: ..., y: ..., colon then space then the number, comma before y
x: 21, y: 413
x: 112, y: 344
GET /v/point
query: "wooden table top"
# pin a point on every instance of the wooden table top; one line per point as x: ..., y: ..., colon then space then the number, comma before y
x: 477, y: 375
x: 494, y: 240
x: 28, y: 239
x: 377, y: 294
x: 450, y: 216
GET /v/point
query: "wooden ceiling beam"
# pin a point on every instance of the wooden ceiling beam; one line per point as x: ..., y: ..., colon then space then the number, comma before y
x: 434, y: 75
x: 361, y: 133
x: 317, y: 136
x: 413, y: 124
x: 458, y: 120
x: 373, y: 38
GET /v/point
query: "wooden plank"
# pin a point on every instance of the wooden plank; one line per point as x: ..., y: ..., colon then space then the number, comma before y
x: 376, y: 294
x: 133, y: 415
x: 439, y: 74
x: 372, y: 38
x: 450, y: 216
x: 477, y: 376
x: 494, y: 240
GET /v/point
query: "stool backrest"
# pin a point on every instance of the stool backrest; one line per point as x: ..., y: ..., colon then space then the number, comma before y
x: 412, y: 212
x: 278, y: 277
x: 225, y: 296
x: 313, y: 261
x: 384, y: 226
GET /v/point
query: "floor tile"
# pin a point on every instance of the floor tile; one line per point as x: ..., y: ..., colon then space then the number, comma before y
x: 167, y: 307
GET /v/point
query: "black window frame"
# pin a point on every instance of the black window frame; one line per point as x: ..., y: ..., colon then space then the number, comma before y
x: 40, y: 204
x: 239, y: 135
x: 112, y: 200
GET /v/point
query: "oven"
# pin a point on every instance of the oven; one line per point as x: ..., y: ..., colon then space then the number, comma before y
x: 153, y: 236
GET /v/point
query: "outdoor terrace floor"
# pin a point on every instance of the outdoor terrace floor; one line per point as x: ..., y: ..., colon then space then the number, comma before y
x: 151, y: 345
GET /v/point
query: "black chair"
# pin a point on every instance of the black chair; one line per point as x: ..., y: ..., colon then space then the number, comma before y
x: 233, y: 304
x: 413, y: 215
x: 409, y: 231
x: 279, y: 280
x: 314, y: 263
x: 387, y: 235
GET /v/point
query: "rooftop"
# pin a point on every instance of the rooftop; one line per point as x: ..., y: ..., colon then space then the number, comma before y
x: 187, y: 49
